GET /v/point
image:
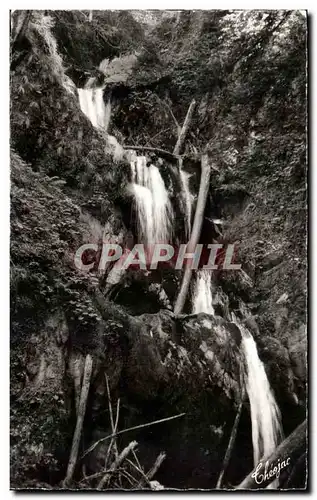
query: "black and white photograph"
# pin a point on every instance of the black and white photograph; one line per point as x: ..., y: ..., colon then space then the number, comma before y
x: 158, y: 250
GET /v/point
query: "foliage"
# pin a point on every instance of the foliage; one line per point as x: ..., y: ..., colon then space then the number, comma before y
x: 48, y: 128
x: 110, y: 33
x: 46, y: 230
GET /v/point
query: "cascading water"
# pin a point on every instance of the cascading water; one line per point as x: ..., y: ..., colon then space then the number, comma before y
x: 202, y: 298
x: 153, y: 207
x: 93, y: 106
x: 265, y: 415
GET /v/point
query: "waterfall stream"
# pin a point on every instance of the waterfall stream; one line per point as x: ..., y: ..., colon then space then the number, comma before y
x: 93, y: 106
x: 202, y: 297
x: 265, y: 415
x: 153, y: 207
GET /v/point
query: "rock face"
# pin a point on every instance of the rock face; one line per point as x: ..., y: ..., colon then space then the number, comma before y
x: 167, y: 366
x: 246, y: 71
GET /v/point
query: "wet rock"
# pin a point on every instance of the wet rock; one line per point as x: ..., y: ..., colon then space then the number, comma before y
x: 278, y: 367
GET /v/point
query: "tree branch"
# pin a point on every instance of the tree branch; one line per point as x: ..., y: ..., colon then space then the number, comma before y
x: 130, y: 429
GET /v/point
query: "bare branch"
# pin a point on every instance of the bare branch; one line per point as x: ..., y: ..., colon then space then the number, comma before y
x: 131, y: 429
x: 113, y: 441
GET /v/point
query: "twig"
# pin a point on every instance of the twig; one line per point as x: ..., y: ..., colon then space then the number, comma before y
x: 231, y: 442
x: 99, y: 474
x: 183, y: 132
x: 113, y: 442
x: 171, y: 113
x: 118, y: 461
x: 109, y: 403
x: 155, y: 468
x: 131, y: 429
x: 139, y: 470
x: 136, y: 459
x: 117, y: 416
x: 132, y: 480
x: 114, y: 431
x: 156, y: 135
x: 80, y: 420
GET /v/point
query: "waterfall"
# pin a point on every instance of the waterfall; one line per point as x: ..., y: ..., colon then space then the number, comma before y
x: 265, y: 415
x: 153, y: 207
x: 93, y: 106
x: 202, y: 297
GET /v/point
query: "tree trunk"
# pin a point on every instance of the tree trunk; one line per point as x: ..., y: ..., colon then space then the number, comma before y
x: 80, y: 421
x: 231, y: 443
x: 195, y: 234
x: 291, y: 448
x: 183, y: 132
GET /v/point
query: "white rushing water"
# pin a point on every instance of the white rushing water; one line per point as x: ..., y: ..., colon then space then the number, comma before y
x: 153, y: 207
x: 202, y: 298
x: 93, y: 106
x: 265, y: 415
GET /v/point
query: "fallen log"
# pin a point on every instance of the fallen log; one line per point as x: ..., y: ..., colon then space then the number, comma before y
x: 80, y: 421
x: 196, y: 230
x: 286, y: 453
